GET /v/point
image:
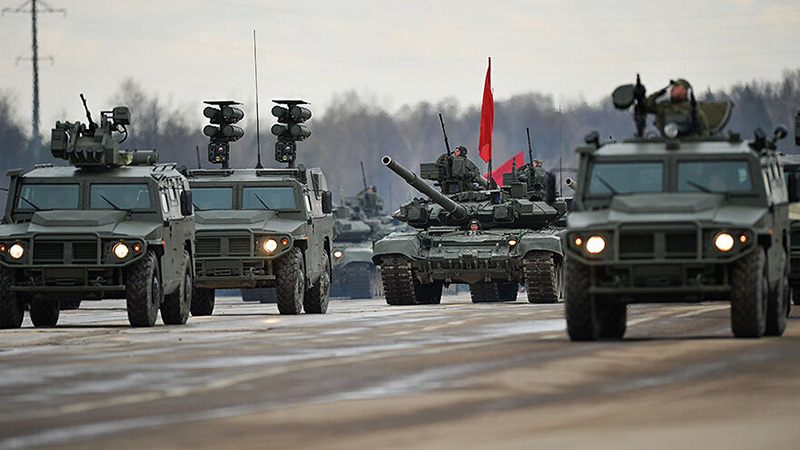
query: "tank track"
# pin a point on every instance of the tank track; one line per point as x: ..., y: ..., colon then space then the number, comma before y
x: 398, y: 281
x: 542, y: 279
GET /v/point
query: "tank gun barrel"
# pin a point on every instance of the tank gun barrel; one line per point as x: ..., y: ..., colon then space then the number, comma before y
x: 459, y: 212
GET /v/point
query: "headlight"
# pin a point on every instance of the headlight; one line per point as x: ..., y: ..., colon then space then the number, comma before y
x: 337, y: 254
x: 270, y: 245
x: 671, y: 130
x: 120, y: 250
x: 16, y: 251
x: 512, y: 242
x: 723, y: 241
x: 595, y: 245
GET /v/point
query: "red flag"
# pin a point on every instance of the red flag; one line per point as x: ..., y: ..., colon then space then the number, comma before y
x: 487, y: 118
x: 497, y: 174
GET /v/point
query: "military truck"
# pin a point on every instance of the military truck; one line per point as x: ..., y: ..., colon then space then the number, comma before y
x: 115, y: 224
x: 791, y: 170
x: 263, y: 228
x: 677, y: 217
x: 491, y: 239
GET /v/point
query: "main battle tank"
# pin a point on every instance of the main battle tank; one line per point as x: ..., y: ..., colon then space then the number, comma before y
x: 491, y: 239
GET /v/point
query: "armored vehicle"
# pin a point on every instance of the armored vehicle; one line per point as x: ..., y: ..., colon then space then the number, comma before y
x: 491, y: 239
x: 264, y: 228
x: 791, y: 170
x: 677, y: 217
x: 114, y: 224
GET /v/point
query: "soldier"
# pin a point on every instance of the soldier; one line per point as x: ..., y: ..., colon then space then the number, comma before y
x: 474, y: 227
x: 677, y: 109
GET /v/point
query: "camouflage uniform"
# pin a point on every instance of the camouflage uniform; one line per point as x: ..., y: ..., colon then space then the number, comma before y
x: 675, y: 107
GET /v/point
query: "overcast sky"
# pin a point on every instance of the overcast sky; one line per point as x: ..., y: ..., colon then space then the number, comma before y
x: 391, y: 52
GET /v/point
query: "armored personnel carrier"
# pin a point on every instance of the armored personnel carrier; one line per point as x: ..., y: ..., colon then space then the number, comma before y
x: 115, y: 224
x: 677, y: 217
x: 791, y: 170
x: 263, y: 228
x: 491, y: 239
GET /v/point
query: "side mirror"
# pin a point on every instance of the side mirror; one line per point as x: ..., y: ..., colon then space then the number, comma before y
x: 327, y: 202
x: 187, y: 208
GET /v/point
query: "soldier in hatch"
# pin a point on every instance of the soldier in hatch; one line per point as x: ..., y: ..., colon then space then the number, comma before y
x: 677, y: 109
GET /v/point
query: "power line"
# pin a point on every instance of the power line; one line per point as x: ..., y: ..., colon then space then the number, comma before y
x: 35, y: 143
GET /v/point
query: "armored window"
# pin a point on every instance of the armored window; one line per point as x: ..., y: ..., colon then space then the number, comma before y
x: 34, y: 197
x: 626, y: 178
x: 268, y: 197
x: 129, y: 196
x: 309, y: 208
x: 714, y: 176
x: 212, y: 198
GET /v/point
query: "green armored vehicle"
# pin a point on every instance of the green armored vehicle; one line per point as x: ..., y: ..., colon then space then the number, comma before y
x: 114, y: 224
x: 680, y: 217
x: 264, y: 228
x: 791, y: 170
x: 491, y: 239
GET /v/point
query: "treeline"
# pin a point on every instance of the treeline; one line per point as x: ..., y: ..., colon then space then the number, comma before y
x: 352, y: 130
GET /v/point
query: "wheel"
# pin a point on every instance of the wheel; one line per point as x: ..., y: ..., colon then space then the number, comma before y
x: 202, y: 301
x: 749, y: 292
x: 507, y: 291
x: 429, y: 294
x: 398, y: 281
x: 542, y: 277
x: 612, y: 316
x: 177, y: 306
x: 484, y: 292
x: 290, y: 286
x: 778, y: 307
x: 12, y: 307
x: 70, y: 304
x: 143, y: 291
x: 317, y: 298
x: 44, y: 313
x: 582, y: 321
x: 357, y: 281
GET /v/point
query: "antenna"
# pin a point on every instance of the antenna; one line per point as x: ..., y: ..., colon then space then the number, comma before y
x: 258, y: 124
x: 197, y: 149
x: 530, y: 149
x: 560, y: 175
x: 363, y: 175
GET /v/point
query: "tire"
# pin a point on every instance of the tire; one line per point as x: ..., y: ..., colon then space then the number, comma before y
x: 507, y: 291
x: 12, y: 307
x: 778, y: 307
x: 612, y: 316
x: 748, y: 295
x: 44, y: 313
x: 290, y: 286
x: 317, y: 298
x: 398, y: 281
x: 429, y: 294
x: 582, y: 321
x: 542, y: 277
x: 177, y: 306
x: 484, y: 292
x: 202, y: 301
x: 143, y: 291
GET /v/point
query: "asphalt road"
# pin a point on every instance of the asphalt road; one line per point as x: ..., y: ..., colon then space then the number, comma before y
x: 366, y: 375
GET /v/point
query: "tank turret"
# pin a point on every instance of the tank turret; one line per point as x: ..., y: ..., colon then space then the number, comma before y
x: 457, y: 211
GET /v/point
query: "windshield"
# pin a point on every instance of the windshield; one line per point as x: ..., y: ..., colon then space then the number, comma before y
x: 37, y: 197
x: 212, y: 198
x: 268, y: 197
x: 714, y: 176
x: 626, y: 178
x: 126, y: 196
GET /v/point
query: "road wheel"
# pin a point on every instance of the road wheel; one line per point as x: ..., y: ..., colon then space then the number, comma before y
x: 542, y: 277
x: 582, y: 321
x: 143, y: 291
x: 429, y: 293
x: 290, y: 286
x: 612, y: 316
x: 749, y: 292
x: 317, y: 298
x: 484, y: 292
x: 778, y: 307
x: 202, y: 301
x: 357, y: 279
x: 44, y: 313
x: 177, y: 306
x: 12, y: 307
x: 507, y: 291
x: 398, y: 281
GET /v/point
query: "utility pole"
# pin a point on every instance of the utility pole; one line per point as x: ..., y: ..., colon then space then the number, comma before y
x: 35, y: 143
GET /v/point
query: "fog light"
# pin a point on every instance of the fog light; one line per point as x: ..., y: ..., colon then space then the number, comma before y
x: 595, y: 245
x: 120, y: 250
x: 337, y: 254
x: 270, y: 245
x: 137, y: 247
x: 16, y: 251
x: 723, y: 242
x: 578, y: 241
x: 284, y: 241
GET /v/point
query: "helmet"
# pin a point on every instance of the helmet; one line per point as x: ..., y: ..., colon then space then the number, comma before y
x: 462, y: 150
x: 681, y: 82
